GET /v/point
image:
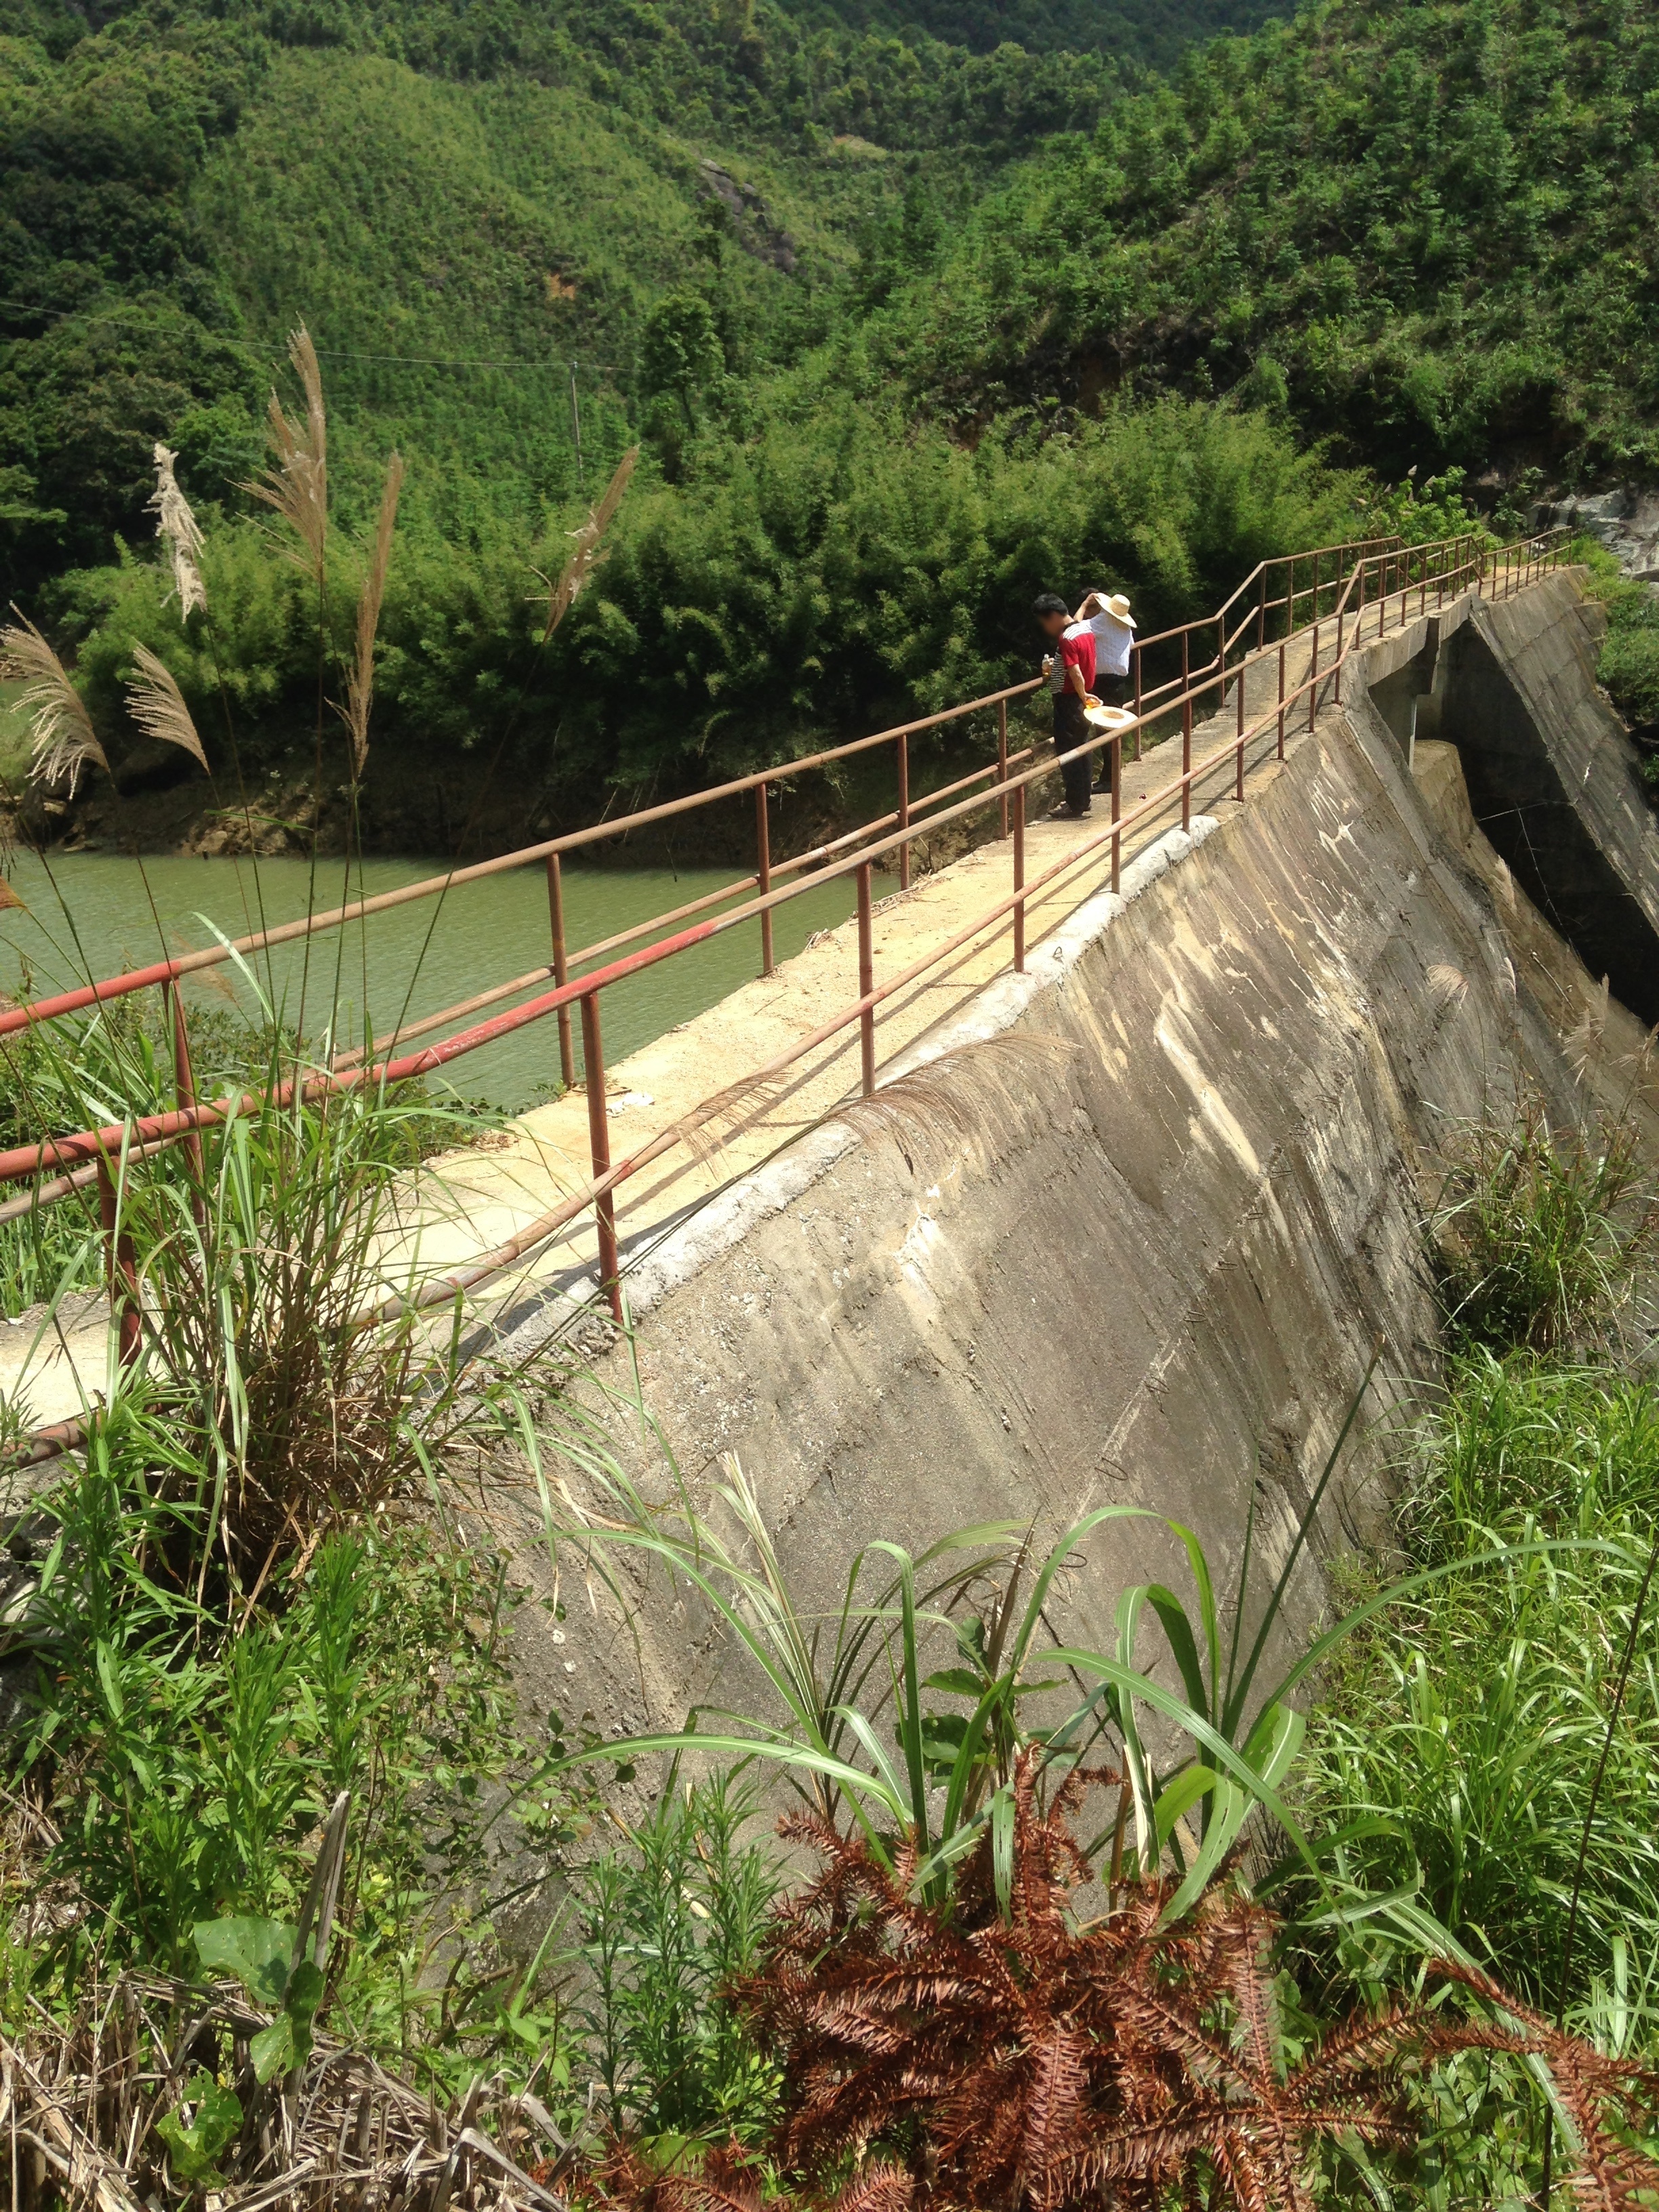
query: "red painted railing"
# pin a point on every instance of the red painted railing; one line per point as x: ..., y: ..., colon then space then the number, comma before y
x: 1327, y: 602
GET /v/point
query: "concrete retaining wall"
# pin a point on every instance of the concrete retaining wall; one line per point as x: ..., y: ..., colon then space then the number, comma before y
x: 1153, y: 1264
x: 1554, y: 781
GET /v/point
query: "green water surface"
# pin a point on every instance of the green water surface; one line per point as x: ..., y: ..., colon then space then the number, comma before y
x: 95, y: 914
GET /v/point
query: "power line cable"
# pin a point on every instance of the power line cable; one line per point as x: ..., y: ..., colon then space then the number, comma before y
x: 556, y: 367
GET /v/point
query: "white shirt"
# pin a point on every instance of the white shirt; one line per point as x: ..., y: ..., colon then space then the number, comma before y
x: 1113, y: 639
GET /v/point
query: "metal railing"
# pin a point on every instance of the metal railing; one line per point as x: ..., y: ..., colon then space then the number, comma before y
x: 1371, y: 586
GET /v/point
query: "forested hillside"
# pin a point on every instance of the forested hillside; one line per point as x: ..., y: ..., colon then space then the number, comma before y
x: 910, y: 326
x: 1428, y: 229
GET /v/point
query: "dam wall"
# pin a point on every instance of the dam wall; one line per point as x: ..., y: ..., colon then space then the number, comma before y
x: 1130, y: 1230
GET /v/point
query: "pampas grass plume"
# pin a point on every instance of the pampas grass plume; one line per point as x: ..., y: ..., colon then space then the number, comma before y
x: 156, y: 704
x: 296, y: 485
x: 64, y: 740
x: 562, y: 596
x: 360, y: 684
x: 178, y: 527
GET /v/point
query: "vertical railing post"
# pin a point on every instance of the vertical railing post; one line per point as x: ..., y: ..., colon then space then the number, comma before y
x: 1281, y: 698
x: 1134, y: 654
x: 1359, y: 626
x: 598, y: 1144
x: 561, y: 969
x: 904, y: 810
x: 1002, y: 759
x: 1117, y: 802
x: 763, y: 874
x: 183, y: 1089
x: 119, y: 1266
x: 1261, y: 611
x: 1019, y: 880
x: 1185, y: 734
x: 1312, y: 687
x: 866, y: 984
x: 1341, y: 613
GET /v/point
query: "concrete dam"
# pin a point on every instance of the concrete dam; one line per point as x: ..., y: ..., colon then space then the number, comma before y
x: 1128, y: 1228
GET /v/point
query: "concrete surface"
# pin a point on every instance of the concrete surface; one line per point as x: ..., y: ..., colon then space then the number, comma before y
x: 1149, y: 1261
x: 1555, y: 782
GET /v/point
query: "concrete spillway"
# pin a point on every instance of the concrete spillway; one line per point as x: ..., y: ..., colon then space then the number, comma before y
x: 1176, y: 1200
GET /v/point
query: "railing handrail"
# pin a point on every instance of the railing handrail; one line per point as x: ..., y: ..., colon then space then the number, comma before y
x: 1458, y: 562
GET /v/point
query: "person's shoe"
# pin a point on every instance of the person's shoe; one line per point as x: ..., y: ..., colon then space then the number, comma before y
x: 1064, y: 813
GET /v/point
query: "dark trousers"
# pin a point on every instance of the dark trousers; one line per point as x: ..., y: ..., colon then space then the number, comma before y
x: 1111, y: 692
x: 1070, y: 729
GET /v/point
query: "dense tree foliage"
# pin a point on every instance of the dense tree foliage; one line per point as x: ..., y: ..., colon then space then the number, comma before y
x: 1428, y: 228
x: 909, y: 327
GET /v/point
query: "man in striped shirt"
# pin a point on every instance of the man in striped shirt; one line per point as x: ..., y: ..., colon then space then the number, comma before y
x: 1070, y: 669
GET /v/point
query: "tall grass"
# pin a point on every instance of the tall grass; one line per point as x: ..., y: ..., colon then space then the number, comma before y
x: 1541, y: 1235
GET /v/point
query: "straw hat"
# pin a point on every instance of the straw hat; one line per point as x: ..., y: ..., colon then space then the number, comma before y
x: 1107, y: 718
x: 1118, y: 607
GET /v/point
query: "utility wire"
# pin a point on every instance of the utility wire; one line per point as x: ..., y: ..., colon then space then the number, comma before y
x: 555, y: 366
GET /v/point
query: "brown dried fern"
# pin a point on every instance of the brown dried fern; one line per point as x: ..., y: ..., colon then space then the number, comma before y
x: 1117, y: 2063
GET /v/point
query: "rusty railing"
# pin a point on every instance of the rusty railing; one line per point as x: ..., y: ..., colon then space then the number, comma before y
x: 1296, y: 619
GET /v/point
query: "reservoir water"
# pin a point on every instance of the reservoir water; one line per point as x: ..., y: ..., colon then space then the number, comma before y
x: 93, y: 914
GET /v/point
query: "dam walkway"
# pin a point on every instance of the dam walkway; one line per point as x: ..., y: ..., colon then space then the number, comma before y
x: 955, y: 887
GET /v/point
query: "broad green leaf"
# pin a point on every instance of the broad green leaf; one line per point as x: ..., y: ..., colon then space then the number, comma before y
x: 275, y: 2050
x: 257, y: 1952
x: 958, y: 1680
x: 192, y: 2150
x: 1177, y: 1797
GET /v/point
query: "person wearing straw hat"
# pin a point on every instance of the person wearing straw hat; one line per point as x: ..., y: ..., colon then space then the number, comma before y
x: 1113, y: 628
x: 1070, y: 669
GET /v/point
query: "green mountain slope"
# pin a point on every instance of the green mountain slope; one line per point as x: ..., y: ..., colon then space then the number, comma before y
x: 1431, y: 230
x: 506, y: 180
x: 907, y: 331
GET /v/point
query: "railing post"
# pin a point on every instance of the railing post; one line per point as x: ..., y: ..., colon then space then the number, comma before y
x: 904, y: 809
x: 120, y: 1269
x: 1002, y: 759
x: 1135, y: 651
x: 1019, y: 880
x: 1117, y: 802
x: 1186, y: 735
x: 763, y: 874
x: 561, y: 969
x: 1439, y: 578
x: 1312, y: 687
x: 1359, y: 626
x: 1281, y: 698
x: 599, y: 1144
x: 1261, y: 611
x: 183, y: 1089
x: 1336, y: 688
x: 866, y: 984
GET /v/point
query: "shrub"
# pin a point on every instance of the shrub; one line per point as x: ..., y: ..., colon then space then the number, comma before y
x: 1540, y: 1235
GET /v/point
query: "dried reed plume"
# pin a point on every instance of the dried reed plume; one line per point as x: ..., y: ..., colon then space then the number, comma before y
x: 61, y: 728
x: 296, y: 486
x: 156, y: 704
x: 359, y: 683
x: 562, y: 596
x: 178, y: 526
